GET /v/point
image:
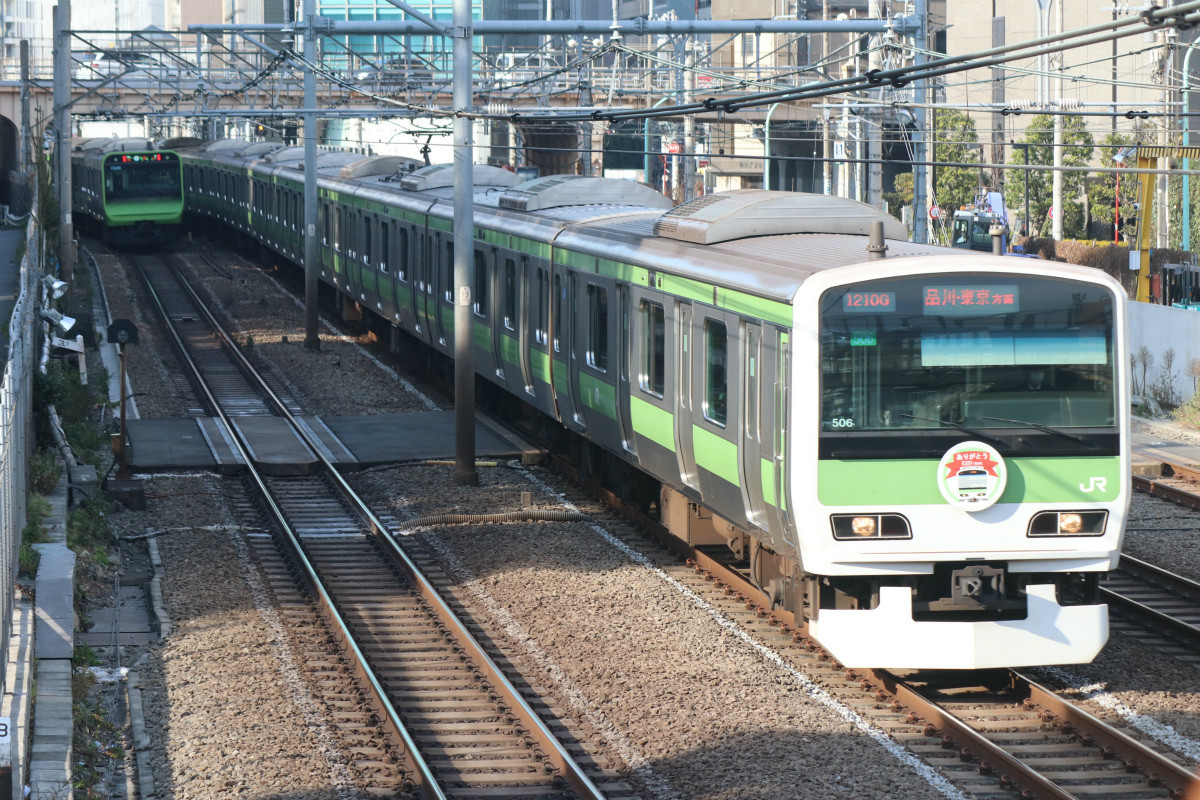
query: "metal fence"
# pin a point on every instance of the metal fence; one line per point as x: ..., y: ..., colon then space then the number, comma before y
x: 16, y: 424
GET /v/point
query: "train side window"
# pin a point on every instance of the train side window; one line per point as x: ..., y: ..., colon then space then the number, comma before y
x: 654, y: 348
x: 366, y: 249
x: 597, y: 346
x: 540, y: 334
x: 402, y: 253
x: 448, y: 273
x: 716, y: 381
x: 323, y: 214
x: 511, y: 311
x: 339, y: 228
x: 383, y: 246
x: 753, y: 338
x: 480, y: 289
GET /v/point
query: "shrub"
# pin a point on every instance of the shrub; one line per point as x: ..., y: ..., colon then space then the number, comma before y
x: 44, y: 470
x: 87, y: 527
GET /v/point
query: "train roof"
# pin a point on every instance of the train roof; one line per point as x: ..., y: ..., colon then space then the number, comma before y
x: 765, y: 242
x: 772, y: 265
x: 744, y: 213
x: 440, y: 176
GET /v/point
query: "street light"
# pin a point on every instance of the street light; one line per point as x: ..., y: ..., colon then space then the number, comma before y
x: 63, y: 323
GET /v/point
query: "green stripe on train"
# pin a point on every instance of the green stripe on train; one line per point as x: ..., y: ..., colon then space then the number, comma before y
x: 766, y: 473
x: 914, y: 482
x: 718, y: 456
x: 598, y: 395
x: 510, y: 348
x: 656, y: 424
x: 481, y: 335
x: 539, y: 365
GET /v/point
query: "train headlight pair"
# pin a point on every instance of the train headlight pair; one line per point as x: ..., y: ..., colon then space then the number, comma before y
x: 1068, y: 523
x: 848, y: 527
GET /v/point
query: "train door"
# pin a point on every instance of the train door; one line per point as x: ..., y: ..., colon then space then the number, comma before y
x: 485, y: 312
x: 597, y: 360
x: 535, y: 333
x: 716, y: 408
x: 757, y: 461
x: 386, y: 268
x: 769, y: 511
x: 563, y: 329
x: 368, y: 274
x: 651, y: 399
x: 406, y: 260
x: 508, y: 331
x: 442, y: 305
x: 685, y: 455
x: 624, y: 345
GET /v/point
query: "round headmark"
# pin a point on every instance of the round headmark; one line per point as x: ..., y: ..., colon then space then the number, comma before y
x: 972, y: 476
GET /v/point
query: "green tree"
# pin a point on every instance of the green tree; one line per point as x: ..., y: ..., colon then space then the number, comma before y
x: 1078, y: 145
x: 901, y: 197
x: 955, y: 142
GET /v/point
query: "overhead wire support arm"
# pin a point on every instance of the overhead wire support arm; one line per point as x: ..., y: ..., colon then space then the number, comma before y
x: 444, y: 30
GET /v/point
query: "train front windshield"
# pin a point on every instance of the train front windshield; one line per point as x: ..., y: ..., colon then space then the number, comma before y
x: 142, y: 176
x: 910, y: 365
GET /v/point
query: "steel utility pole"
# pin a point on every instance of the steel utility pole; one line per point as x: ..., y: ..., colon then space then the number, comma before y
x: 312, y: 252
x: 921, y: 146
x: 1058, y: 203
x: 62, y: 142
x: 464, y: 251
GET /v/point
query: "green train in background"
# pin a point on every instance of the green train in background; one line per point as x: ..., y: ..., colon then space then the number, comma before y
x: 924, y: 456
x: 129, y: 192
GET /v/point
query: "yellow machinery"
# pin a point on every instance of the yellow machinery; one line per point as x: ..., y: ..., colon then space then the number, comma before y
x: 1139, y: 253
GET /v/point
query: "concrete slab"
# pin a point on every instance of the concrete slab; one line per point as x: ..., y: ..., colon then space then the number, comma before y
x: 273, y: 446
x: 203, y: 443
x: 55, y: 631
x: 384, y: 438
x: 1150, y: 451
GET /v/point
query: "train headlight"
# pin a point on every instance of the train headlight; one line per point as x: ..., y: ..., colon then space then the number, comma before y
x: 864, y: 526
x: 1068, y: 523
x: 849, y: 527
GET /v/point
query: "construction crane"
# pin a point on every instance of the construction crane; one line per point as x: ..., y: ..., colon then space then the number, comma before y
x: 1139, y: 253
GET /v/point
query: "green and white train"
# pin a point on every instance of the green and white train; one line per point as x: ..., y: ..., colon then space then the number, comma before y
x: 924, y: 456
x: 128, y: 190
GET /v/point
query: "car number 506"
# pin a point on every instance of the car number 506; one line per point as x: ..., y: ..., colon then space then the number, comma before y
x: 842, y: 422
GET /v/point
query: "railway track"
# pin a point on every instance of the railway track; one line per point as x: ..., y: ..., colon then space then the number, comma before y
x: 992, y: 732
x: 457, y: 723
x: 989, y: 739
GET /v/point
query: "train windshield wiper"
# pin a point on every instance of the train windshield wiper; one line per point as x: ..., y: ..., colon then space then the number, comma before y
x: 1046, y: 429
x: 958, y: 427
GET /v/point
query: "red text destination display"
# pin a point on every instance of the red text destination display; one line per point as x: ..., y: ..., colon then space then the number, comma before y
x: 967, y: 301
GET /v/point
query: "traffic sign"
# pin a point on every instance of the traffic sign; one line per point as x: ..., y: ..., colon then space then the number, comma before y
x: 935, y: 212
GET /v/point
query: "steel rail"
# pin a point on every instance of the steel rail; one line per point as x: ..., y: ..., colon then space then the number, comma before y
x: 552, y: 748
x: 1158, y: 578
x: 1154, y: 765
x: 992, y: 757
x: 1160, y: 489
x: 426, y: 778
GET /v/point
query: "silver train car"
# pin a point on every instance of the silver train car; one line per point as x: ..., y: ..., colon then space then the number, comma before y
x: 924, y: 456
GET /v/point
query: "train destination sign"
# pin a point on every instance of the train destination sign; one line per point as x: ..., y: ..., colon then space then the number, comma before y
x: 970, y: 300
x: 857, y: 300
